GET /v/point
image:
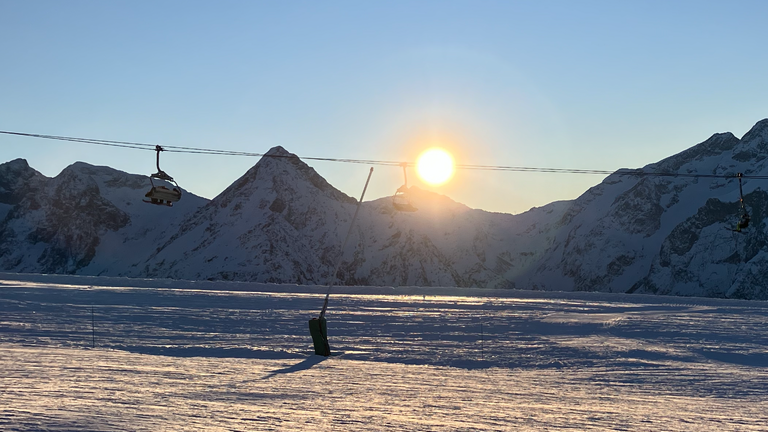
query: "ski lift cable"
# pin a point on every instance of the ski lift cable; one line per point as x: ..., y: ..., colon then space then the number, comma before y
x: 135, y: 146
x: 546, y: 170
x: 191, y: 150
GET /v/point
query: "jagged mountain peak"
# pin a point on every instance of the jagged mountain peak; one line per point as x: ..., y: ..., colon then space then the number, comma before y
x: 715, y: 145
x: 16, y: 164
x: 278, y: 151
x: 81, y: 172
x: 757, y: 137
x: 81, y: 177
x: 752, y: 147
x: 15, y: 179
x: 84, y: 168
x: 279, y: 157
x: 280, y: 171
x: 17, y: 168
x: 759, y: 128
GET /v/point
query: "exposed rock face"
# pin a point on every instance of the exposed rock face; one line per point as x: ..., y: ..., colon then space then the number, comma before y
x: 16, y: 181
x: 63, y: 217
x: 57, y: 225
x: 669, y: 235
x: 701, y: 256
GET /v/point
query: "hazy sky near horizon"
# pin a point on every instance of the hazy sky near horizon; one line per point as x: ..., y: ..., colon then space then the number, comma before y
x: 564, y: 84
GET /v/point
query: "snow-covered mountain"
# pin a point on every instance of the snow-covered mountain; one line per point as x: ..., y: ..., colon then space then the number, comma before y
x: 669, y: 235
x: 282, y: 222
x: 86, y: 220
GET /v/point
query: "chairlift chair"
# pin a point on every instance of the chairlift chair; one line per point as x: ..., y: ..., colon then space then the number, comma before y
x: 400, y: 200
x: 159, y: 194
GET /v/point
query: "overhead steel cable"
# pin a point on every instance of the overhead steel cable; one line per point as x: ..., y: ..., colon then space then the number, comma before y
x: 136, y: 146
x: 637, y: 172
x: 197, y: 150
x: 533, y: 169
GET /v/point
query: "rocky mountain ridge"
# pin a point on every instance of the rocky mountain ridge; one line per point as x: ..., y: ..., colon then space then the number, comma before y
x: 282, y: 222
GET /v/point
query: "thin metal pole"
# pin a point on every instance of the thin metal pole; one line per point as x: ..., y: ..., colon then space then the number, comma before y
x: 93, y: 329
x: 482, y: 342
x: 343, y: 246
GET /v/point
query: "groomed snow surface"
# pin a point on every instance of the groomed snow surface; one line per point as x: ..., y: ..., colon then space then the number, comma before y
x: 173, y: 355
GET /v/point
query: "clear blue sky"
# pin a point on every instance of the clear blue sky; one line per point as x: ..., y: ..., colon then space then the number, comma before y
x: 567, y: 84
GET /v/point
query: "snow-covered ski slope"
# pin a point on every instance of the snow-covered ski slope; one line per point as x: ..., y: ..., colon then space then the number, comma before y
x: 173, y: 355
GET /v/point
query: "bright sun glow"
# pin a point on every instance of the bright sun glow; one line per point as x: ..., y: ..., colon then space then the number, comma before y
x: 435, y: 166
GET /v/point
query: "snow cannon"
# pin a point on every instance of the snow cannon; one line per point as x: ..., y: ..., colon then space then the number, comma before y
x: 319, y: 331
x: 317, y: 326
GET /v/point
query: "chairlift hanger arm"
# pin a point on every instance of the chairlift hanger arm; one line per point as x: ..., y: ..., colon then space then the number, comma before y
x: 160, y: 173
x: 741, y: 189
x: 158, y: 149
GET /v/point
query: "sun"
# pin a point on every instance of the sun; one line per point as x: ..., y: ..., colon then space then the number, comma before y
x: 435, y: 166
